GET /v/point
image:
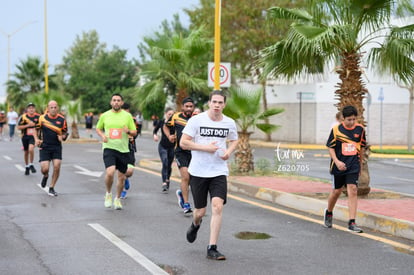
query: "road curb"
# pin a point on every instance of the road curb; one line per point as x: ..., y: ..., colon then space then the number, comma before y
x: 313, y: 206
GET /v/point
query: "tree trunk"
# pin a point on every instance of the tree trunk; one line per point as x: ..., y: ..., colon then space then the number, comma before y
x: 352, y: 91
x: 243, y: 154
x: 75, y: 131
x: 180, y: 95
x: 364, y: 179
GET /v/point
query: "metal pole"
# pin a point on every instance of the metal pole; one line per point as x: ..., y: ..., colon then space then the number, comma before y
x: 46, y: 59
x: 216, y: 45
x: 300, y: 117
x: 381, y: 125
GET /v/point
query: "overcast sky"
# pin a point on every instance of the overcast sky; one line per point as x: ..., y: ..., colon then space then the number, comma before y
x: 123, y: 23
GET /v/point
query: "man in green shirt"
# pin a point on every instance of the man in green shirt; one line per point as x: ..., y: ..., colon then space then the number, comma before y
x: 113, y: 127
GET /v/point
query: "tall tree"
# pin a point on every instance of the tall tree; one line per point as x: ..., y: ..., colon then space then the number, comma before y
x: 396, y: 57
x: 329, y: 31
x: 93, y: 73
x: 176, y: 67
x: 28, y: 80
x: 244, y: 32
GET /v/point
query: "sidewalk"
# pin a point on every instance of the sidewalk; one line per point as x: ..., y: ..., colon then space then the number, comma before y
x: 381, y: 210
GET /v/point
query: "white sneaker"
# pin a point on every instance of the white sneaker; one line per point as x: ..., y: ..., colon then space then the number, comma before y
x: 108, y: 200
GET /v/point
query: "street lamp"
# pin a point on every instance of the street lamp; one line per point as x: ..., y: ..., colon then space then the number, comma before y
x: 9, y: 36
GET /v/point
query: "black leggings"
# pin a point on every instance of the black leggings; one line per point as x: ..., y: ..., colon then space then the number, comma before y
x: 167, y: 158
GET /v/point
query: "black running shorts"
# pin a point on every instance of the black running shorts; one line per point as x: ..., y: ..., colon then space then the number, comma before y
x: 26, y: 141
x: 339, y: 181
x: 183, y: 158
x: 115, y: 158
x: 200, y: 187
x: 50, y: 152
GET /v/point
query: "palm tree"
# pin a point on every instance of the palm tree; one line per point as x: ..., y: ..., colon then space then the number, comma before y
x: 244, y: 107
x: 177, y: 67
x: 331, y: 31
x: 74, y: 111
x: 29, y: 79
x: 395, y: 56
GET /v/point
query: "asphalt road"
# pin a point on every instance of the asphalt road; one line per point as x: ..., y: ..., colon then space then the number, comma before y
x: 74, y: 234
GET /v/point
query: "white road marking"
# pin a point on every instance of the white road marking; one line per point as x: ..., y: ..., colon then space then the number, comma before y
x: 87, y: 172
x: 20, y: 167
x: 127, y: 249
x: 402, y: 179
x: 7, y: 157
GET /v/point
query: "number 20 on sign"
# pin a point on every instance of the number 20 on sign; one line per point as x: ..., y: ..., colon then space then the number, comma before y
x: 225, y: 74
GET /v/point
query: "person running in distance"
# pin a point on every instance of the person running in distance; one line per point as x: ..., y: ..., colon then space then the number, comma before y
x: 51, y: 132
x: 132, y: 150
x: 12, y: 118
x: 182, y: 157
x: 27, y: 125
x: 114, y: 126
x: 165, y: 149
x: 3, y: 121
x: 346, y: 143
x: 196, y: 111
x: 89, y: 123
x: 206, y: 135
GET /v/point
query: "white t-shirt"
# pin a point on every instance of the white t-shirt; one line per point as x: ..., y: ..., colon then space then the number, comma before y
x: 12, y: 118
x: 203, y: 130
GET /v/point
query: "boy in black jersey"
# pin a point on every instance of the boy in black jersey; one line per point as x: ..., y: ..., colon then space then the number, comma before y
x: 346, y: 143
x: 27, y: 124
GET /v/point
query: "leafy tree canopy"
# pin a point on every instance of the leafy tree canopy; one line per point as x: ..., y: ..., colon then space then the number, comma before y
x: 93, y: 73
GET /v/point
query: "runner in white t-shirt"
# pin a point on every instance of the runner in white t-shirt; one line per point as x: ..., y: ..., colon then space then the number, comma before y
x: 12, y: 118
x: 205, y: 135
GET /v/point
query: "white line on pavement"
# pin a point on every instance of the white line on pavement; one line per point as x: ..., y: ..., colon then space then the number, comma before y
x: 19, y: 167
x: 127, y: 249
x: 7, y: 157
x: 402, y: 179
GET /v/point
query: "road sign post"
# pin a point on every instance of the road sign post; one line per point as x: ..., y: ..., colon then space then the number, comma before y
x: 224, y: 74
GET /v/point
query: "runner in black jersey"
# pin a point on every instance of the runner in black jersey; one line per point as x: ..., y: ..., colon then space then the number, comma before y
x: 346, y: 143
x: 27, y: 124
x: 182, y: 157
x: 51, y: 132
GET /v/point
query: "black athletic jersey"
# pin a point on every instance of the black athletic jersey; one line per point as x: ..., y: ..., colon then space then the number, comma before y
x: 347, y: 143
x: 165, y: 142
x: 50, y: 127
x: 178, y: 122
x: 25, y: 119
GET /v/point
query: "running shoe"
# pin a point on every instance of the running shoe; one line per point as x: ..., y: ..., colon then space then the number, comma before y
x: 354, y: 228
x: 27, y: 172
x: 32, y: 169
x: 126, y: 184
x: 327, y: 218
x: 180, y: 198
x: 192, y: 232
x: 117, y: 204
x: 123, y: 194
x: 108, y: 200
x: 214, y: 254
x: 52, y: 192
x: 165, y: 188
x: 187, y: 209
x: 44, y: 181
